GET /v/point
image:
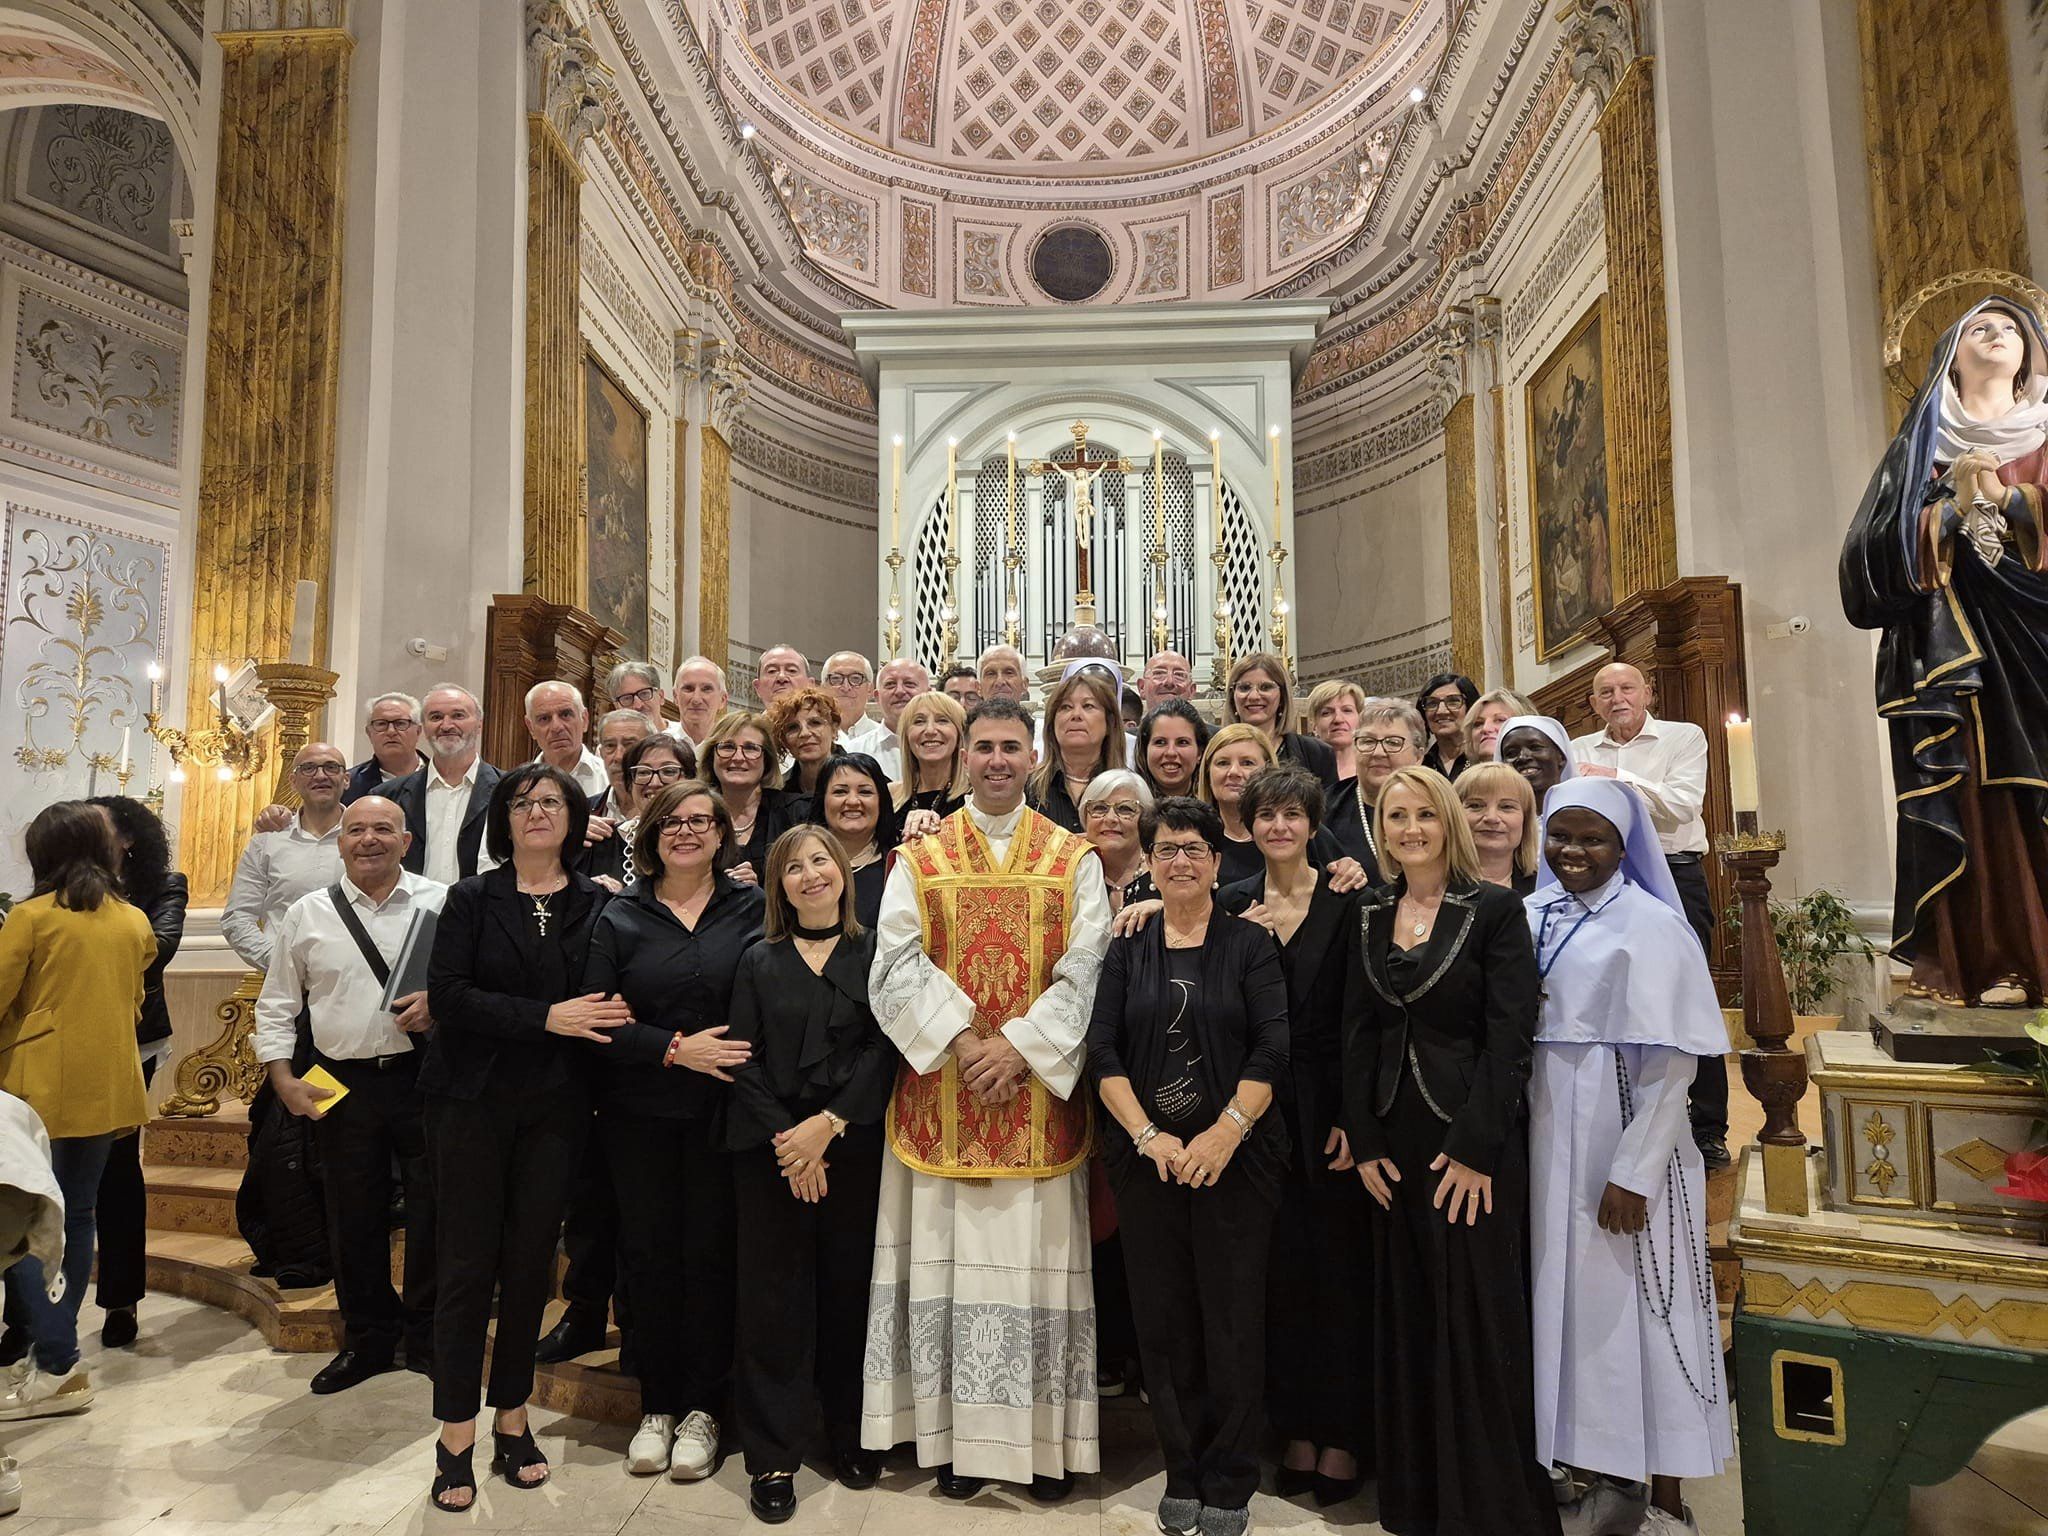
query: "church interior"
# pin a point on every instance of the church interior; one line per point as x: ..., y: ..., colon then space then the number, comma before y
x: 363, y: 346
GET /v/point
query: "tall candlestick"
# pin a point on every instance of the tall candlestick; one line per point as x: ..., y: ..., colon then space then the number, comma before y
x: 305, y: 606
x: 953, y: 495
x: 1158, y: 505
x: 1742, y: 785
x: 1216, y: 477
x: 1273, y: 453
x: 896, y: 495
x: 1011, y: 493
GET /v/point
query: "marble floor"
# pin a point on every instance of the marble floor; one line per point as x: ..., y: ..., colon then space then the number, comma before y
x: 202, y: 1430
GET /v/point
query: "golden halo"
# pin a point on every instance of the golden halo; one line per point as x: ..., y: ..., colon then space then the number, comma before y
x: 2029, y: 291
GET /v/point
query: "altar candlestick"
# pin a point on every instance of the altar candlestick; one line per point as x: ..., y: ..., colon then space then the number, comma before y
x: 1216, y: 477
x: 1158, y: 505
x: 1011, y: 493
x: 953, y: 495
x: 305, y: 606
x: 1742, y: 786
x: 896, y: 496
x: 127, y: 733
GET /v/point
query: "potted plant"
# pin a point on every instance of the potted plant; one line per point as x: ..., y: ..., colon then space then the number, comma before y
x: 1816, y: 933
x: 2026, y: 1171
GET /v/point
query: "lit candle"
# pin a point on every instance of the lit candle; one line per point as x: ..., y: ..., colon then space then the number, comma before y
x: 1216, y: 476
x: 1742, y: 790
x: 953, y: 495
x: 305, y: 606
x: 1273, y: 452
x: 220, y: 689
x: 156, y: 683
x: 127, y: 732
x: 1010, y: 548
x: 1158, y: 505
x: 896, y: 496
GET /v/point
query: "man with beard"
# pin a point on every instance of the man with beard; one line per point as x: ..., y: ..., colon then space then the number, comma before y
x: 444, y: 803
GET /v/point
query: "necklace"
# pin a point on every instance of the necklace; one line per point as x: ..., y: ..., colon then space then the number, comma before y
x: 816, y: 935
x: 1420, y: 928
x: 540, y: 910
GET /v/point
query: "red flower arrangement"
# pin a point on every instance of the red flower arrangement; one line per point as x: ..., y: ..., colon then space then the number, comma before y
x: 2026, y: 1172
x: 2026, y: 1176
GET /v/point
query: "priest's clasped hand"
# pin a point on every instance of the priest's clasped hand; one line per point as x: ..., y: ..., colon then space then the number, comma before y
x: 1622, y: 1211
x: 993, y: 1069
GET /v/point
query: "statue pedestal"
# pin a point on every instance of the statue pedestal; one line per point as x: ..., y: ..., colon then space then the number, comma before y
x: 1920, y: 1030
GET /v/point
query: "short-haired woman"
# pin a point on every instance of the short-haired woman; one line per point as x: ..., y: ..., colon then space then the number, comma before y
x: 1500, y: 808
x: 1483, y: 721
x: 804, y: 723
x: 1188, y: 1038
x: 740, y: 762
x: 1333, y: 708
x: 72, y: 962
x: 1443, y: 703
x: 672, y: 951
x: 1390, y: 735
x: 1084, y: 736
x: 854, y: 804
x: 1318, y: 1338
x: 507, y: 1110
x: 1171, y: 740
x: 1437, y: 1048
x: 1260, y: 692
x: 1236, y: 752
x: 1111, y: 806
x: 646, y: 766
x: 805, y: 1129
x: 149, y: 883
x: 931, y: 745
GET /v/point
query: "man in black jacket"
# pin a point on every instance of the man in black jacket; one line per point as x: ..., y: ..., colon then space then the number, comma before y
x: 393, y: 726
x: 444, y: 801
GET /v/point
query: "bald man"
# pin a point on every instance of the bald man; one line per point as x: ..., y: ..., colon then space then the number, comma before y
x: 1167, y: 675
x: 1001, y: 674
x: 1665, y: 762
x: 850, y: 679
x: 783, y: 670
x: 557, y: 721
x: 279, y: 867
x: 701, y: 698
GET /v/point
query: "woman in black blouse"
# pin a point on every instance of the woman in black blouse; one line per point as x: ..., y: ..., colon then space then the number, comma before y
x: 1443, y: 703
x: 671, y: 950
x: 1260, y: 692
x: 1188, y: 1037
x: 805, y: 723
x: 1084, y: 736
x: 646, y: 768
x: 1236, y: 753
x: 931, y: 742
x: 854, y: 803
x: 506, y: 1110
x: 1389, y: 735
x: 1500, y: 808
x: 740, y: 763
x: 148, y: 881
x: 1318, y: 1337
x: 805, y: 1129
x: 1437, y: 1047
x: 1171, y: 739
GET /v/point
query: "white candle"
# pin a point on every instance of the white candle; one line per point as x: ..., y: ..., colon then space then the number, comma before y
x: 1216, y: 476
x: 896, y: 496
x: 1010, y: 547
x: 127, y: 732
x: 156, y: 681
x: 220, y: 688
x: 305, y: 607
x: 1742, y: 787
x: 1273, y: 447
x: 1158, y: 506
x: 953, y: 495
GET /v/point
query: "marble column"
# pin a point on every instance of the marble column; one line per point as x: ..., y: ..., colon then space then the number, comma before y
x: 1450, y: 370
x: 563, y: 111
x: 266, y: 479
x: 725, y: 394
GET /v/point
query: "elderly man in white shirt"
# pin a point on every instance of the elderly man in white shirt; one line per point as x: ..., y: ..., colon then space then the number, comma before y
x: 784, y: 669
x: 701, y: 699
x: 277, y: 868
x: 1665, y: 762
x: 332, y: 955
x: 900, y: 681
x: 557, y: 721
x: 850, y: 679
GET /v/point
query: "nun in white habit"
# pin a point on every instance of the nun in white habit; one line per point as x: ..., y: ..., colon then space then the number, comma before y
x: 1627, y: 1350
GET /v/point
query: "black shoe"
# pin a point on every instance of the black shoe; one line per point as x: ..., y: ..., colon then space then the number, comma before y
x: 576, y: 1334
x: 772, y: 1497
x: 1293, y: 1482
x: 118, y: 1331
x: 1713, y: 1150
x: 1050, y: 1490
x: 1335, y: 1490
x: 350, y: 1368
x: 954, y: 1486
x: 859, y: 1468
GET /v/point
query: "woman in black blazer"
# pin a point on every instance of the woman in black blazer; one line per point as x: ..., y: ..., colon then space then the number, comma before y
x: 148, y: 881
x: 506, y: 1110
x: 1188, y: 1037
x: 1260, y: 692
x: 1318, y: 1337
x: 1437, y: 1046
x: 671, y: 951
x: 805, y: 1128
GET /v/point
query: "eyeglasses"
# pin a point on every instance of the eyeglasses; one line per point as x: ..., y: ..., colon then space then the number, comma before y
x: 736, y: 749
x: 666, y: 773
x: 847, y: 680
x: 1104, y: 812
x: 1454, y: 701
x: 392, y: 727
x: 634, y: 699
x: 320, y: 771
x: 544, y: 805
x: 1373, y: 745
x: 676, y: 826
x: 1194, y: 853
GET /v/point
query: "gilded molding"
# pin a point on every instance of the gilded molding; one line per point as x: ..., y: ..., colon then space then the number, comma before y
x: 244, y: 16
x: 714, y: 521
x: 1461, y: 500
x: 564, y: 75
x: 556, y: 561
x: 1503, y: 525
x: 1889, y: 1307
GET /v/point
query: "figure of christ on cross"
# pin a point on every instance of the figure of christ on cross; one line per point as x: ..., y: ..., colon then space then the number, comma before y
x: 1080, y: 475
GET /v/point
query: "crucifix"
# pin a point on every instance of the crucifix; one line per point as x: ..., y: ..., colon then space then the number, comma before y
x: 1081, y: 474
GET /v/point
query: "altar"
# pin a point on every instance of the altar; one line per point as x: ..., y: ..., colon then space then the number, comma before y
x: 1136, y: 461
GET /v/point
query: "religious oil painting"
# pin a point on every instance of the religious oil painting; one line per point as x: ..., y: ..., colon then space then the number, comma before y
x: 1568, y: 516
x: 615, y: 491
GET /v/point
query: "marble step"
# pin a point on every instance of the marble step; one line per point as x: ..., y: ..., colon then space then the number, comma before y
x: 214, y: 1269
x: 191, y: 1199
x: 217, y: 1141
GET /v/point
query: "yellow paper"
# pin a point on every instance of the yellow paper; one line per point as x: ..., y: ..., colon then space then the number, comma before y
x: 320, y: 1077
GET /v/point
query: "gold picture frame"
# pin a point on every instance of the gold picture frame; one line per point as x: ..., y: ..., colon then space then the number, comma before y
x: 617, y: 471
x: 1564, y: 407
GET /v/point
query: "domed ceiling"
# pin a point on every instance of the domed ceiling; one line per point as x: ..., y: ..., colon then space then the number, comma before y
x: 926, y: 148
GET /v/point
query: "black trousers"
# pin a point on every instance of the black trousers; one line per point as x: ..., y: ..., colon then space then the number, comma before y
x: 590, y: 1240
x: 124, y: 1220
x: 676, y: 1252
x: 502, y: 1164
x: 1197, y: 1262
x: 382, y: 1121
x: 803, y: 1300
x: 1318, y: 1312
x: 1708, y: 1101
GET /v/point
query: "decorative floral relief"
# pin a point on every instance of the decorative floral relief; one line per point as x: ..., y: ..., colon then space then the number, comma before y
x: 981, y: 264
x: 111, y: 167
x: 91, y: 382
x: 1226, y: 239
x: 920, y: 261
x: 1159, y: 261
x: 1326, y: 203
x: 1224, y: 96
x: 834, y: 226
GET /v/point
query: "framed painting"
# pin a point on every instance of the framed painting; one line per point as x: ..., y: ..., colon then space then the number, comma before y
x: 1565, y: 403
x: 615, y: 504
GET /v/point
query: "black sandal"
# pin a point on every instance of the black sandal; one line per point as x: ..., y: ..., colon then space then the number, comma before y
x: 513, y: 1454
x: 453, y: 1470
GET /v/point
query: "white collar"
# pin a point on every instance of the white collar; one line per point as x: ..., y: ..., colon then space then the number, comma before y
x: 400, y: 892
x: 1647, y: 733
x: 994, y: 826
x: 434, y: 775
x: 1593, y: 900
x: 298, y: 829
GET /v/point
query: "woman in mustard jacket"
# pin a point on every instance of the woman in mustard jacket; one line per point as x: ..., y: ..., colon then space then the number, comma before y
x: 72, y: 958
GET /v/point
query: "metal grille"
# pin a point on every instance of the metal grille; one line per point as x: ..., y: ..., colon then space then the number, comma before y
x: 991, y: 525
x: 1244, y: 570
x: 1107, y: 555
x: 928, y: 587
x: 1180, y: 554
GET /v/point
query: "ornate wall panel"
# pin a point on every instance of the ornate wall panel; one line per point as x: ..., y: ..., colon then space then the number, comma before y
x: 113, y: 173
x: 1461, y: 503
x: 88, y: 378
x: 714, y: 575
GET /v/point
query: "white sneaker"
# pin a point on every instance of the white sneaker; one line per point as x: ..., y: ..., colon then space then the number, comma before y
x: 10, y: 1486
x: 1605, y: 1509
x: 36, y: 1395
x: 1657, y: 1523
x: 648, y: 1454
x: 696, y: 1448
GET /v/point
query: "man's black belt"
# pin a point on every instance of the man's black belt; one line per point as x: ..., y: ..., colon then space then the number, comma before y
x: 1682, y: 858
x: 395, y: 1060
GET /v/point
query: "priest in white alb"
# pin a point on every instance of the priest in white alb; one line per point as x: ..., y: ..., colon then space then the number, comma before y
x: 1627, y: 1347
x: 981, y: 1328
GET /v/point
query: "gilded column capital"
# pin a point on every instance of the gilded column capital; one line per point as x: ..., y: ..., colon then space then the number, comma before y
x: 284, y: 16
x: 1601, y: 36
x: 727, y: 388
x: 1448, y: 358
x: 565, y: 79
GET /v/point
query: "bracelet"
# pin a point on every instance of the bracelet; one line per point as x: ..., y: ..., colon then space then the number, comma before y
x: 837, y: 1122
x: 1150, y: 1130
x: 675, y: 1043
x: 1244, y: 1122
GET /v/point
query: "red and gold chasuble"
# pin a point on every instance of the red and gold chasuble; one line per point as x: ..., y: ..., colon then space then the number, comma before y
x: 996, y: 932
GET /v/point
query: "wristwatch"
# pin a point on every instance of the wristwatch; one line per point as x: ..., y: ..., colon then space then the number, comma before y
x: 1244, y: 1121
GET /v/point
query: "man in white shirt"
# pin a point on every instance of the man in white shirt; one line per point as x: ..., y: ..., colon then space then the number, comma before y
x: 328, y: 952
x: 444, y: 803
x: 635, y: 685
x: 393, y: 728
x: 557, y: 721
x: 1665, y: 762
x: 277, y: 868
x: 1166, y: 676
x: 1001, y: 674
x: 901, y: 681
x: 850, y: 679
x: 784, y: 669
x: 701, y: 698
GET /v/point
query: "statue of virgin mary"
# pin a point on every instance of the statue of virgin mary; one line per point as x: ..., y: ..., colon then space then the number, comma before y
x: 1946, y: 558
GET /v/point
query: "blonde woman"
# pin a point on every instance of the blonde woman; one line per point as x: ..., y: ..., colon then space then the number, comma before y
x: 1236, y: 753
x: 1483, y: 721
x: 1334, y: 707
x: 1084, y: 735
x: 1260, y: 692
x: 931, y: 744
x: 1500, y: 808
